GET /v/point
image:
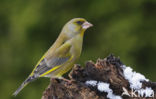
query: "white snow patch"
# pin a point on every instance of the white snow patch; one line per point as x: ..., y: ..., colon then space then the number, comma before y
x: 147, y: 92
x: 133, y: 78
x: 91, y: 83
x: 104, y: 87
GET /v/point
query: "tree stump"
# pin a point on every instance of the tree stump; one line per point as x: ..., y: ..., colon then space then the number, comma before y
x: 105, y: 79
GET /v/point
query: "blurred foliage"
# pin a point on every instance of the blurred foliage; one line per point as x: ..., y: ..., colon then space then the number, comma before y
x: 29, y: 27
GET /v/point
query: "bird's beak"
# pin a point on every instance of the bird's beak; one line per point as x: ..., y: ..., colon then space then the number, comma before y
x: 86, y: 25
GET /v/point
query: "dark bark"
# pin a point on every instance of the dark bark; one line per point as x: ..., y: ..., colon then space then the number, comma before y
x: 107, y: 70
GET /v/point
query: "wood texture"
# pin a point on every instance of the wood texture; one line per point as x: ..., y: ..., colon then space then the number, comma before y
x: 105, y: 70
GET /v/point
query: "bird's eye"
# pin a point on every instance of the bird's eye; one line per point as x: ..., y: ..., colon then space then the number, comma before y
x: 80, y: 22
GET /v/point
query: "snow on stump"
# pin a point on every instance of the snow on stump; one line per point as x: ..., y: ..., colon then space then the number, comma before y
x: 108, y: 78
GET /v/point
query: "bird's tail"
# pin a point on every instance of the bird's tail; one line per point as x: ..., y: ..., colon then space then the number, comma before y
x: 28, y: 80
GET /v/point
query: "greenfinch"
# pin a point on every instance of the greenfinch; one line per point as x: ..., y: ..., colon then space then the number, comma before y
x: 62, y: 55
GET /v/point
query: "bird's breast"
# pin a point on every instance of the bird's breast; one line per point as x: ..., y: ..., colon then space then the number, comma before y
x: 76, y: 46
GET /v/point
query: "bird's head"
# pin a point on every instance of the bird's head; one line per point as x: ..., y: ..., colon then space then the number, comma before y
x: 76, y: 26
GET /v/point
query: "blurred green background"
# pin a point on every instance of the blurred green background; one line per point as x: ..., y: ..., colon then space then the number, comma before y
x: 29, y: 27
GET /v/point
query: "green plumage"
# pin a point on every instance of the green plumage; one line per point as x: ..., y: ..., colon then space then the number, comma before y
x: 61, y: 57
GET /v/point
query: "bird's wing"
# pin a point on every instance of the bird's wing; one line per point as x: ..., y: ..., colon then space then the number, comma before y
x: 50, y: 63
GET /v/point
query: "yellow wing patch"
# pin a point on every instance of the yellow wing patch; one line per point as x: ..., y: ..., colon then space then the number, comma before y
x: 49, y: 71
x: 37, y: 65
x: 54, y: 68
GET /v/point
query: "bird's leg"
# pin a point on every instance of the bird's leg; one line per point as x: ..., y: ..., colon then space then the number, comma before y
x: 67, y: 80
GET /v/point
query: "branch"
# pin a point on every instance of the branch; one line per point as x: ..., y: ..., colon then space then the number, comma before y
x: 108, y: 78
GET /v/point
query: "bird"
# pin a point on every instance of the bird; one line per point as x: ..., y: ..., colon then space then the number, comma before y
x: 62, y: 55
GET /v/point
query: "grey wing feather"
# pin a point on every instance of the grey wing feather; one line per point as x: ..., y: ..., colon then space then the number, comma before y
x: 47, y: 65
x: 57, y: 61
x: 53, y: 60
